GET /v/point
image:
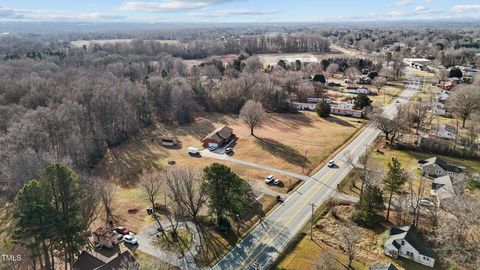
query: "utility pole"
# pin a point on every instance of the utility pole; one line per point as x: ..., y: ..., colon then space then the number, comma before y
x: 311, y: 220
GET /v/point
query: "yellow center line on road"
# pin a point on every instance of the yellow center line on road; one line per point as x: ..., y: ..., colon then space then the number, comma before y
x: 304, y: 201
x: 327, y: 177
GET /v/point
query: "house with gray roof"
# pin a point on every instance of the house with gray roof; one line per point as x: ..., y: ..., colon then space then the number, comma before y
x: 407, y: 242
x: 443, y: 189
x: 437, y: 167
x: 444, y: 131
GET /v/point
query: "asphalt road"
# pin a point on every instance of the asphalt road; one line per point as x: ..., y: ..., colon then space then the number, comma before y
x: 267, y: 241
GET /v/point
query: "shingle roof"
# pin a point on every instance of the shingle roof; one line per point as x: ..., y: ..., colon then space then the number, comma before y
x: 445, y: 188
x: 118, y: 262
x: 87, y: 261
x: 220, y: 134
x: 443, y: 164
x: 446, y: 127
x: 383, y: 266
x: 412, y: 236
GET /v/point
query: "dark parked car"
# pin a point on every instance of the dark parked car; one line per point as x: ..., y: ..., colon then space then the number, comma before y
x: 122, y: 230
x: 228, y: 151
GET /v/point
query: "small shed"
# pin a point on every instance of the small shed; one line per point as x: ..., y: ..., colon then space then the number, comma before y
x: 106, y: 237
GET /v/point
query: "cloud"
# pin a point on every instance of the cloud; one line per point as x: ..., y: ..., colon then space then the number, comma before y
x: 428, y: 1
x: 465, y: 8
x: 424, y: 10
x: 53, y: 15
x: 234, y: 12
x: 396, y: 13
x: 170, y: 5
x: 8, y: 13
x: 403, y: 3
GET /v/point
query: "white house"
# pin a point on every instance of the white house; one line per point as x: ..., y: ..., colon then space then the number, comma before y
x: 303, y: 106
x: 442, y: 188
x: 406, y: 242
x: 346, y: 112
x: 355, y: 90
x: 438, y: 108
x: 318, y: 99
x: 444, y: 131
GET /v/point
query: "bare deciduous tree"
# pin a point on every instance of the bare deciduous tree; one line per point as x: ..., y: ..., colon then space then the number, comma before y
x: 106, y: 191
x: 152, y: 183
x: 253, y: 114
x: 332, y: 69
x: 351, y: 73
x: 464, y: 101
x: 350, y: 237
x: 419, y: 111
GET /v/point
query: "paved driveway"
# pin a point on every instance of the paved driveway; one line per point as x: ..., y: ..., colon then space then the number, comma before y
x: 148, y: 234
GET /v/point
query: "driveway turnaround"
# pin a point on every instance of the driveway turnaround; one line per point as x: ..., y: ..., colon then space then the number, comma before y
x: 268, y: 240
x: 148, y: 234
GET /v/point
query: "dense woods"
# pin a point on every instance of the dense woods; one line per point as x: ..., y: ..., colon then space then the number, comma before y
x: 69, y: 104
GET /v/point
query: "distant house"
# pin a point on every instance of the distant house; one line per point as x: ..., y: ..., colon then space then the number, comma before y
x: 442, y: 97
x: 106, y: 237
x: 346, y: 112
x: 357, y: 90
x: 438, y: 108
x: 406, y: 242
x: 219, y: 137
x: 436, y: 167
x: 318, y: 99
x: 168, y: 141
x: 443, y: 131
x: 443, y: 189
x: 95, y: 261
x: 334, y: 84
x: 303, y: 106
x: 363, y: 79
x: 382, y: 266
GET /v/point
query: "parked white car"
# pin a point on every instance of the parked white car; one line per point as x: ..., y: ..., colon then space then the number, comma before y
x: 269, y: 179
x: 193, y: 151
x: 426, y: 203
x: 130, y: 239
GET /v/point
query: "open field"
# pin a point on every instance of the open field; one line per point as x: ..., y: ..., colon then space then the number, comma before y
x: 280, y: 143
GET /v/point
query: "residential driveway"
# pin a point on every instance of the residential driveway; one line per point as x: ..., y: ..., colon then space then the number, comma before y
x: 148, y: 234
x: 222, y: 156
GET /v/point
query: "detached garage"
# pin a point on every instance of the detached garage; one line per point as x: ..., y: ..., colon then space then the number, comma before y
x: 218, y: 137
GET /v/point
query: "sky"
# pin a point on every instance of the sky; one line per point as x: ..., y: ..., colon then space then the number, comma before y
x: 154, y: 11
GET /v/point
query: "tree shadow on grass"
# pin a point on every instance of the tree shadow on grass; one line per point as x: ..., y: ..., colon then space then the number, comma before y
x: 283, y: 151
x: 338, y: 120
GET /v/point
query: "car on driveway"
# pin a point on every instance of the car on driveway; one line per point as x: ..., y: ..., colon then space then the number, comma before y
x: 130, y: 239
x: 122, y: 230
x: 212, y: 147
x: 277, y: 181
x: 331, y: 164
x: 269, y: 179
x: 228, y: 150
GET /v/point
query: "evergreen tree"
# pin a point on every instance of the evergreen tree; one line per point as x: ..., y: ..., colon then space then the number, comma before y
x: 323, y: 109
x: 370, y: 201
x: 394, y: 180
x: 361, y: 101
x: 225, y: 191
